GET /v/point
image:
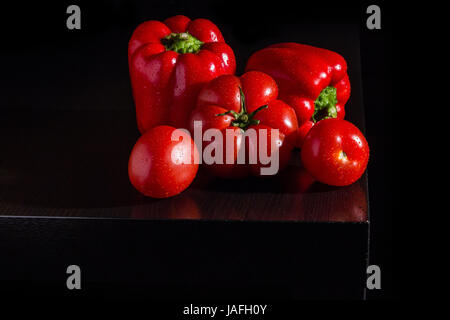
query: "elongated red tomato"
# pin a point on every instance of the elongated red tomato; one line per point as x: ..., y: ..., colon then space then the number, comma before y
x: 163, y: 163
x: 335, y: 152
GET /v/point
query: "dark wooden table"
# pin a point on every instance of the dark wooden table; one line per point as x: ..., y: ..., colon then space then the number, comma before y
x: 65, y: 198
x: 51, y: 167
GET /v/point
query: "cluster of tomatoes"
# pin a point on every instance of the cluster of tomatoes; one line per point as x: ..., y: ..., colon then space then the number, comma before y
x: 165, y: 160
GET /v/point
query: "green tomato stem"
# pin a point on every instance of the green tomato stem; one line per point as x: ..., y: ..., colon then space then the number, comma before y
x: 243, y: 119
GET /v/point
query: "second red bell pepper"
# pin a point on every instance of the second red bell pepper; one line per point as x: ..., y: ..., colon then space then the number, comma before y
x: 311, y: 80
x: 169, y: 62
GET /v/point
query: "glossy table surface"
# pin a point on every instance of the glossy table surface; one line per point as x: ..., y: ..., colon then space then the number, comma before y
x: 52, y: 167
x: 67, y: 126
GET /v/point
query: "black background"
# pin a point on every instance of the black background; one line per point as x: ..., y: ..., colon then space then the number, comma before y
x: 26, y: 84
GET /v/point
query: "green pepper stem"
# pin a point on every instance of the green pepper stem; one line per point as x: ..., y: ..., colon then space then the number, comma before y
x: 325, y: 104
x: 182, y: 43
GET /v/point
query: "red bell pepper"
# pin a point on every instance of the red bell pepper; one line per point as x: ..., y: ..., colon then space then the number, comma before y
x: 239, y: 104
x: 311, y: 80
x: 169, y: 62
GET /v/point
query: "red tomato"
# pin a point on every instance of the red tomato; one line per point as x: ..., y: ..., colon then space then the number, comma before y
x: 239, y: 104
x: 273, y: 145
x: 163, y: 162
x: 229, y: 169
x: 303, y: 132
x: 335, y: 152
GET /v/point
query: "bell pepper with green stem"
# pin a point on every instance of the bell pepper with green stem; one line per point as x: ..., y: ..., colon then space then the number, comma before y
x: 311, y: 80
x: 169, y: 62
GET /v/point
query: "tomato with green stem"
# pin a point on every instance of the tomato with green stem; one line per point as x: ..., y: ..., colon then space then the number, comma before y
x: 243, y: 105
